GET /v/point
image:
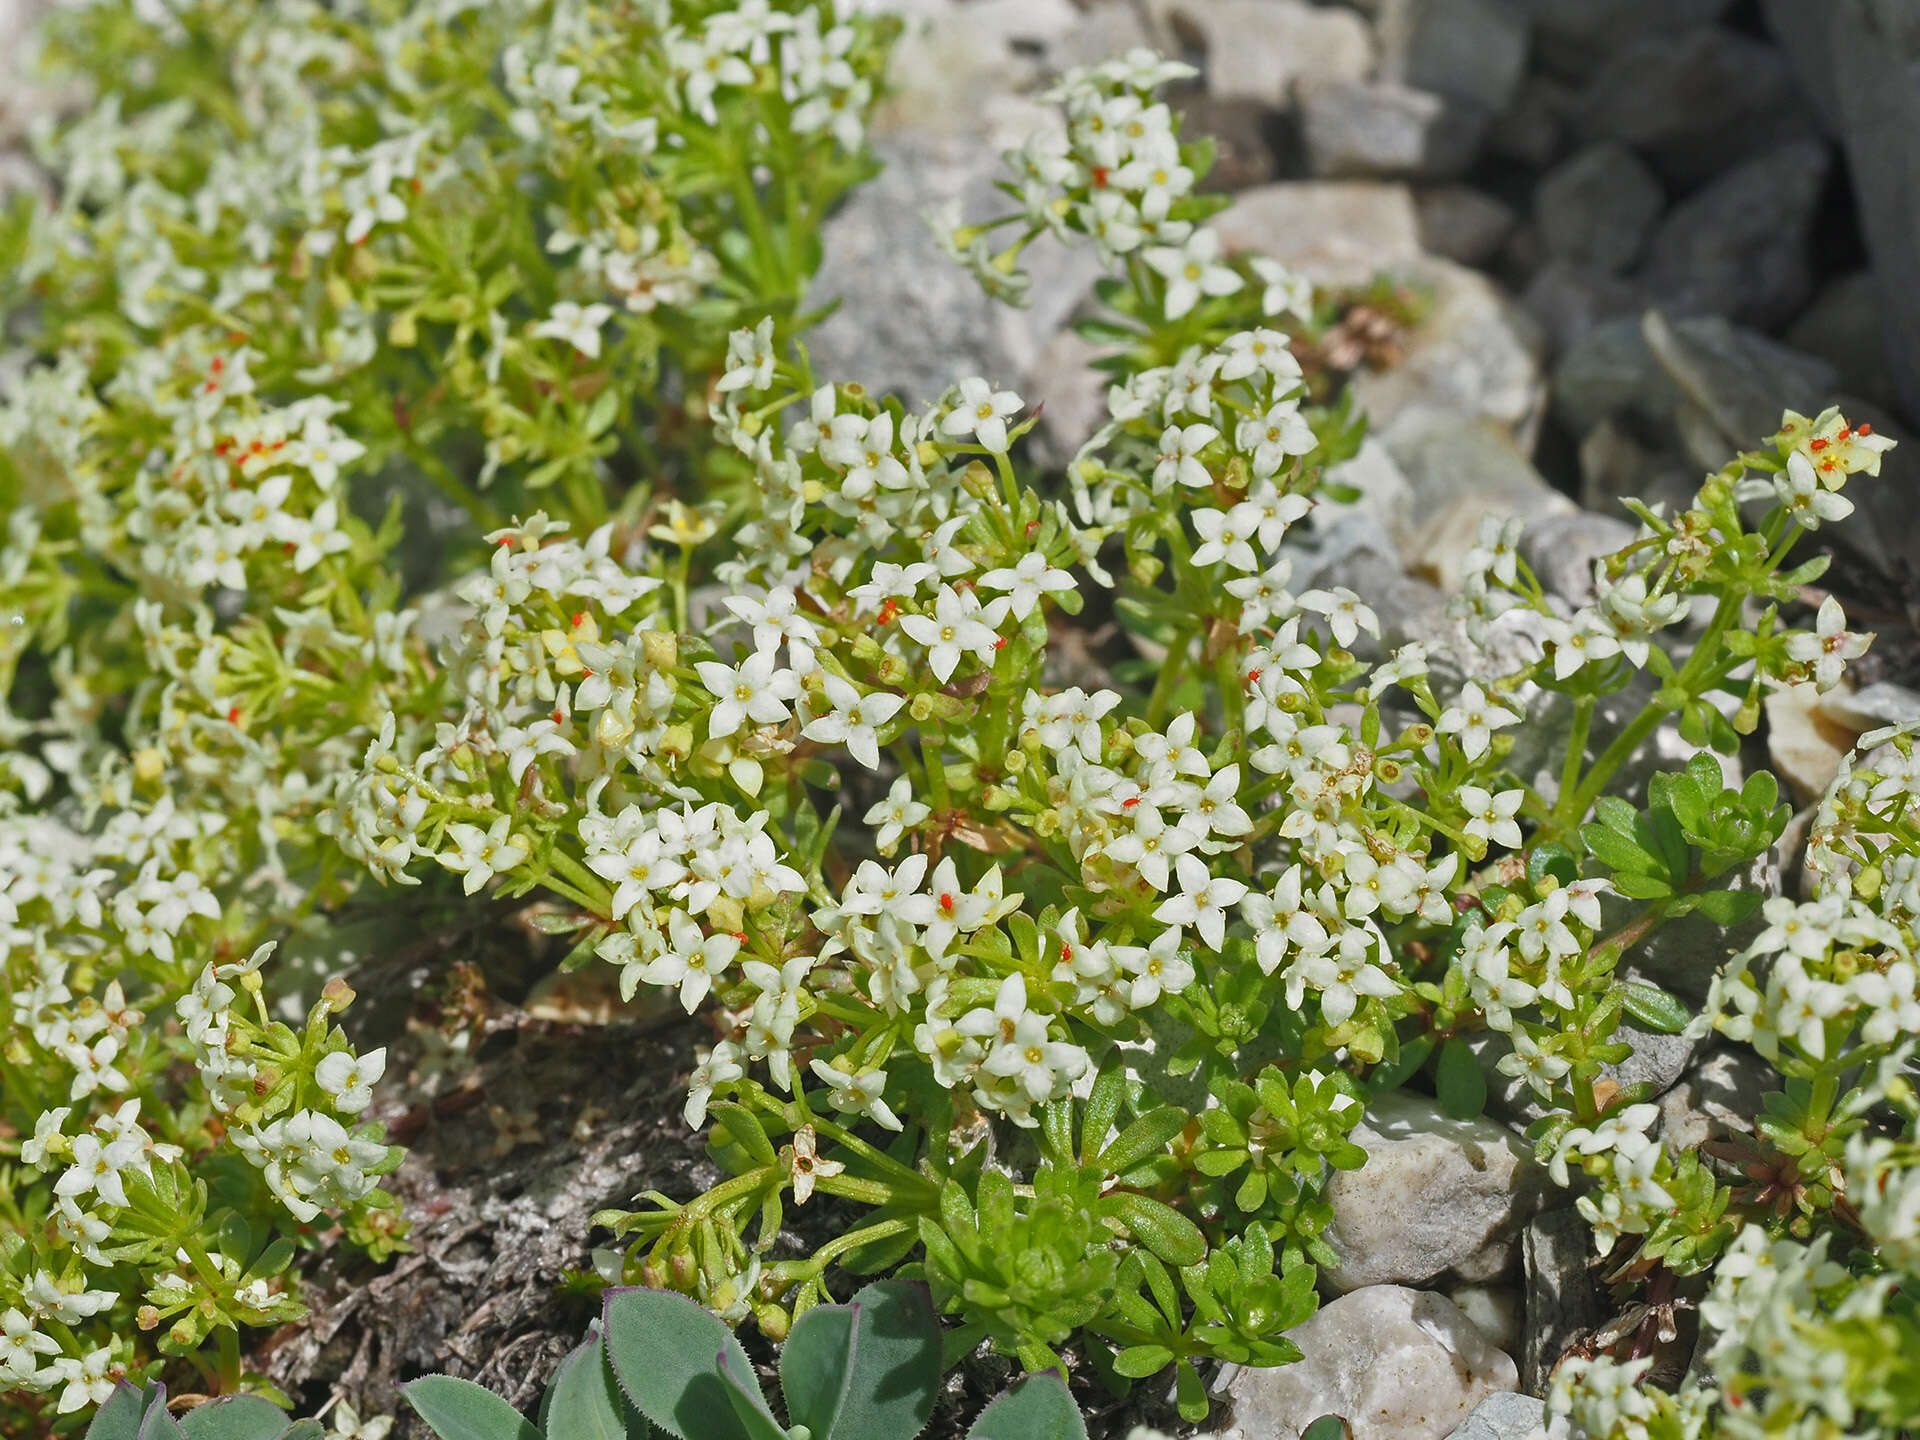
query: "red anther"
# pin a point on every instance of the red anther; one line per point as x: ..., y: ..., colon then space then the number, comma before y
x: 1032, y: 525
x: 946, y: 903
x: 415, y: 185
x: 211, y: 386
x: 999, y: 642
x: 1863, y: 429
x: 1130, y: 802
x: 578, y: 617
x: 1066, y: 953
x: 1817, y: 445
x: 1099, y: 177
x: 586, y: 672
x: 888, y: 611
x: 1846, y: 433
x: 219, y: 364
x: 233, y: 715
x: 740, y: 935
x: 1253, y: 676
x: 558, y: 716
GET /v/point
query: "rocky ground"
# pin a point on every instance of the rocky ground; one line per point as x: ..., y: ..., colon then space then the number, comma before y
x: 1633, y: 231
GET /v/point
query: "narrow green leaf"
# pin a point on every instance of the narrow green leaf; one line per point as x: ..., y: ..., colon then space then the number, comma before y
x: 743, y: 1127
x: 235, y: 1417
x: 1143, y: 1139
x: 1641, y: 887
x: 1616, y: 851
x: 1616, y: 815
x: 1040, y: 1407
x: 1162, y: 1229
x: 1652, y: 1008
x: 1136, y: 1362
x: 1458, y: 1081
x: 461, y: 1410
x: 1109, y: 1093
x: 665, y: 1351
x: 584, y: 1402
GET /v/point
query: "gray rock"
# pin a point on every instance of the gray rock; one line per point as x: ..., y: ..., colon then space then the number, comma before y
x: 1598, y: 207
x: 1475, y: 352
x: 1803, y: 743
x: 1845, y: 326
x: 1257, y: 49
x: 1719, y: 1097
x: 1243, y: 133
x: 974, y: 71
x: 1462, y: 223
x: 1572, y: 36
x: 1871, y: 708
x: 1468, y: 50
x: 1740, y: 380
x: 1610, y: 372
x: 1437, y: 1196
x: 1658, y: 1062
x: 1459, y: 468
x: 1380, y: 130
x: 1562, y: 1299
x: 1695, y: 102
x: 1567, y: 301
x: 1805, y: 34
x: 1561, y: 550
x: 1335, y: 232
x: 1102, y: 32
x: 1682, y: 955
x: 1506, y: 1416
x: 1397, y: 1364
x: 1494, y: 1309
x: 1385, y: 494
x: 1740, y: 246
x: 1615, y: 466
x: 1875, y: 46
x: 910, y: 321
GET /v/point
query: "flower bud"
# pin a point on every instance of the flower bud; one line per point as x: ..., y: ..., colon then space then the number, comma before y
x: 338, y: 994
x: 977, y: 481
x: 404, y: 331
x: 774, y: 1322
x: 660, y: 648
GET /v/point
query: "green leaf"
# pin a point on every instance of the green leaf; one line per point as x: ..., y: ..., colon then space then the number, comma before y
x: 1040, y: 1407
x: 744, y: 1129
x: 1616, y: 815
x: 1402, y: 1068
x: 585, y: 1400
x: 1652, y: 1008
x: 1162, y: 1229
x: 1327, y: 1427
x: 235, y: 1417
x: 1616, y: 851
x: 865, y: 1371
x: 748, y: 1402
x: 1555, y: 859
x: 1142, y: 1140
x: 157, y: 1424
x: 119, y: 1418
x: 1730, y: 907
x: 1641, y: 887
x: 1136, y: 1362
x: 461, y: 1410
x: 1458, y: 1081
x: 665, y: 1351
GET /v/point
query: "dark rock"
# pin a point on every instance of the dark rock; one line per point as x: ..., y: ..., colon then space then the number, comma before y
x: 1569, y: 300
x: 1805, y: 34
x: 1739, y: 247
x: 1682, y: 955
x: 1469, y: 50
x: 1693, y: 103
x: 1357, y: 130
x: 1598, y: 207
x: 1720, y: 1096
x: 1610, y: 371
x: 1845, y: 326
x: 1531, y: 128
x: 1615, y: 465
x: 1562, y: 1299
x: 1739, y: 380
x: 1463, y: 223
x: 1571, y: 36
x: 1876, y: 44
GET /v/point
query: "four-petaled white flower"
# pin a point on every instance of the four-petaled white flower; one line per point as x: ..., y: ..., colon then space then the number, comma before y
x: 578, y: 325
x: 1191, y: 271
x: 756, y: 689
x: 954, y: 629
x: 1179, y: 462
x: 350, y: 1078
x: 1202, y: 901
x: 692, y: 959
x: 854, y: 719
x: 482, y: 854
x: 1474, y: 718
x: 1829, y: 647
x: 982, y: 413
x: 1026, y: 581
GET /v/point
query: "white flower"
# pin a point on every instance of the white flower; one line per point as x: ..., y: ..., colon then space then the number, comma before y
x: 862, y: 1094
x: 1026, y: 581
x: 896, y: 815
x: 96, y: 1168
x: 1286, y: 293
x: 1274, y: 435
x: 1474, y: 718
x: 982, y: 413
x: 749, y: 359
x: 350, y: 1078
x: 1346, y: 615
x: 753, y: 690
x: 1178, y: 461
x: 854, y: 719
x: 1490, y: 817
x: 1160, y: 968
x: 692, y: 959
x: 1828, y: 649
x: 1191, y: 271
x: 578, y: 325
x: 954, y: 629
x: 1224, y: 536
x: 482, y: 854
x: 1202, y: 901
